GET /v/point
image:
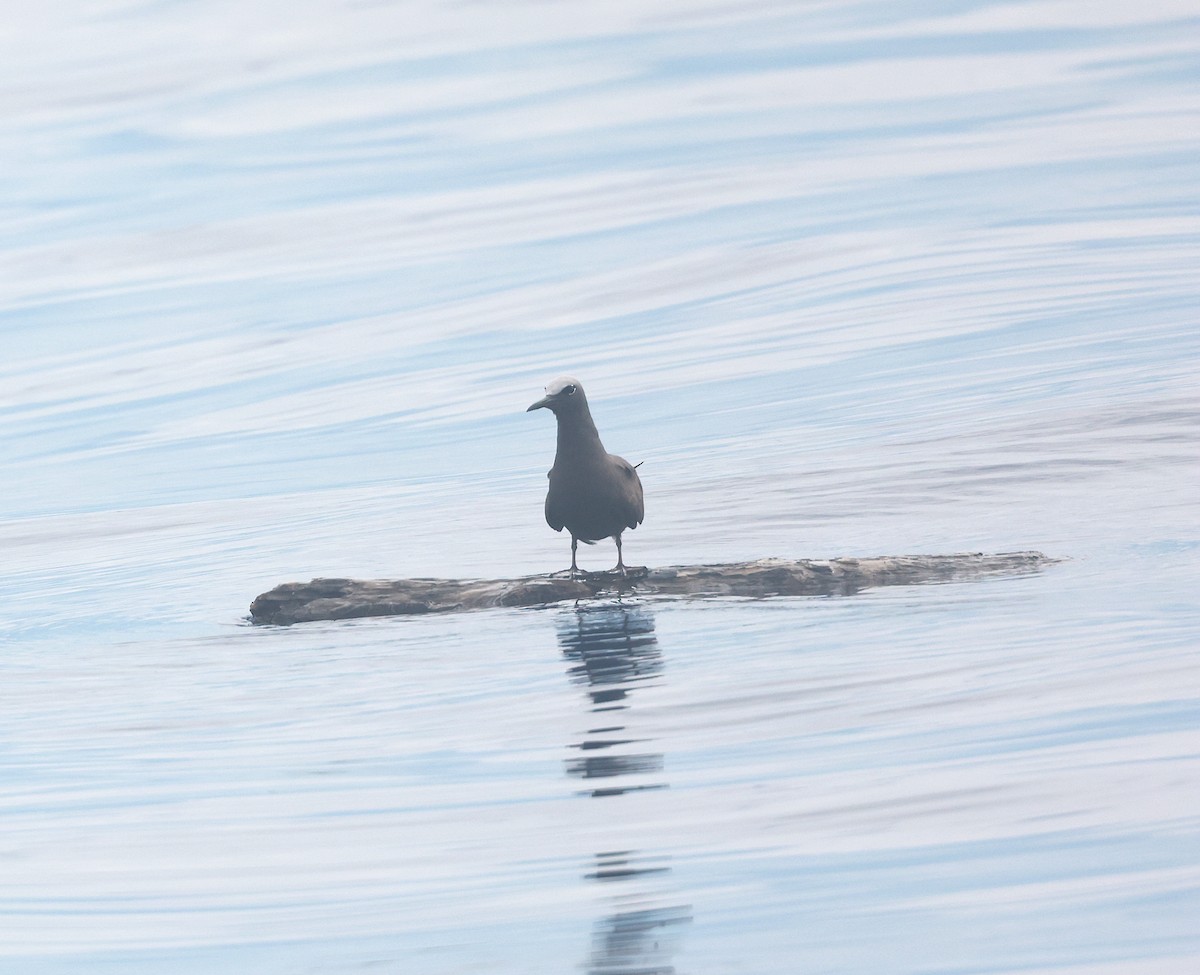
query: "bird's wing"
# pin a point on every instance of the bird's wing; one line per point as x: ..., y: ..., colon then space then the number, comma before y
x: 554, y: 515
x: 634, y: 504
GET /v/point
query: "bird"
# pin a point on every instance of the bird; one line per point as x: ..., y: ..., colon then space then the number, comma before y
x: 593, y: 494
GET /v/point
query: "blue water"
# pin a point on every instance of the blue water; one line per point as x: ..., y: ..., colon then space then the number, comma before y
x: 277, y: 283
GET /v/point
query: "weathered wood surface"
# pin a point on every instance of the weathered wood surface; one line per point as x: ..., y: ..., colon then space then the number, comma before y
x: 336, y: 599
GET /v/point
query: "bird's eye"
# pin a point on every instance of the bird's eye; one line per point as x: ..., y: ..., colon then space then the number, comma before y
x: 569, y: 390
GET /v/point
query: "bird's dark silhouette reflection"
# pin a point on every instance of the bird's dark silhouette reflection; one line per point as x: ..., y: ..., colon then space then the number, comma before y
x: 613, y: 652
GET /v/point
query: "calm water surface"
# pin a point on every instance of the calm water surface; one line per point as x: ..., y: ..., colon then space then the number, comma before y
x: 277, y: 283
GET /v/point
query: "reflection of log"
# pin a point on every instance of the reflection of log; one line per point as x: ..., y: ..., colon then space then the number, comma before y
x: 336, y: 599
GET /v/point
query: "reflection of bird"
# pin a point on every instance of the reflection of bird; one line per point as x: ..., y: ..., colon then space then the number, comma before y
x: 593, y: 494
x: 613, y: 650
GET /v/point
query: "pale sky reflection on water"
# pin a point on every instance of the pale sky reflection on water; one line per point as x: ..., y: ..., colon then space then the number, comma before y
x: 276, y: 285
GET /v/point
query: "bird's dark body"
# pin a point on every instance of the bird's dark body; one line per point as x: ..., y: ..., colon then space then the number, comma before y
x: 594, y: 500
x: 593, y: 494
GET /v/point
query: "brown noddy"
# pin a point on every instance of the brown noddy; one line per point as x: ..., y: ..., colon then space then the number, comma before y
x: 593, y: 494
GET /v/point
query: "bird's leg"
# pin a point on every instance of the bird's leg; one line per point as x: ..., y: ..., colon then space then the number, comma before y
x: 574, y: 546
x: 620, y: 561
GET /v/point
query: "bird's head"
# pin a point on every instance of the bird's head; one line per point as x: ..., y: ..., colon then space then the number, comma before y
x: 564, y: 397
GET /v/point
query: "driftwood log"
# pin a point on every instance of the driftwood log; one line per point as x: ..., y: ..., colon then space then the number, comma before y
x: 338, y: 599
